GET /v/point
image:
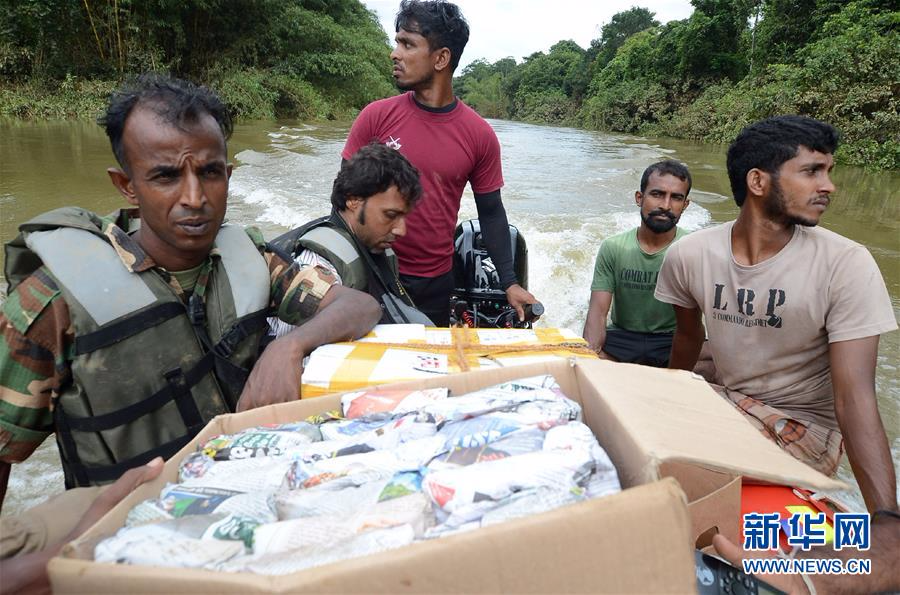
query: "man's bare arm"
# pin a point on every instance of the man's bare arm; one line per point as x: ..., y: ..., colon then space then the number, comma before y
x: 342, y: 315
x: 688, y: 340
x: 28, y: 573
x: 595, y: 324
x: 853, y: 379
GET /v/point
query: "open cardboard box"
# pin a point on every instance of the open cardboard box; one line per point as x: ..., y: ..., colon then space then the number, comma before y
x: 680, y: 451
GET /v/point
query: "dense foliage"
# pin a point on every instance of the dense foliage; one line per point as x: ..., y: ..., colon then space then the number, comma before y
x: 304, y: 58
x: 705, y: 77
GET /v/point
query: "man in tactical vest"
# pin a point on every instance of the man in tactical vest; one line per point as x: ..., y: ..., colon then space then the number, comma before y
x: 126, y: 334
x: 371, y: 198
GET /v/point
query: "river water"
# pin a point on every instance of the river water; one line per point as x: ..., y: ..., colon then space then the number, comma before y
x: 566, y: 190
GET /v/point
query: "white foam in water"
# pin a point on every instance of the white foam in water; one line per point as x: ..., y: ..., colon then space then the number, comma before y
x: 259, y: 196
x: 563, y: 219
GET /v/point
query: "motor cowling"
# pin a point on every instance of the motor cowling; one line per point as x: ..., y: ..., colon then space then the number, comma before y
x: 478, y: 299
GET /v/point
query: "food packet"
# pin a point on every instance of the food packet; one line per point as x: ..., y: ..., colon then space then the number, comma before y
x: 548, y: 413
x: 401, y: 484
x: 413, y: 510
x: 529, y: 502
x: 577, y: 436
x: 602, y: 482
x: 372, y: 466
x: 567, y: 458
x: 370, y: 542
x: 200, y: 541
x: 176, y: 501
x: 388, y: 436
x: 397, y: 402
x: 321, y: 500
x: 514, y: 443
x: 463, y: 494
x: 342, y: 430
x: 261, y: 441
x: 239, y: 475
x: 506, y: 396
x: 478, y: 431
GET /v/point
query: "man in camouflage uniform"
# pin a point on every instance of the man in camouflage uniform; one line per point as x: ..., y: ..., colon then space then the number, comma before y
x: 162, y: 300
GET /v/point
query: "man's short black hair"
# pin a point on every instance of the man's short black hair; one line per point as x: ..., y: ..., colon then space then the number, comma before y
x: 174, y: 101
x: 667, y: 167
x: 441, y: 23
x: 767, y: 144
x: 372, y: 170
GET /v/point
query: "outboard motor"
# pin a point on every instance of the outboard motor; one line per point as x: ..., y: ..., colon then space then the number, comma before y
x: 477, y: 299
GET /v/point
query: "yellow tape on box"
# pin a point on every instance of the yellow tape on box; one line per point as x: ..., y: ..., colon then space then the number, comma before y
x: 391, y: 353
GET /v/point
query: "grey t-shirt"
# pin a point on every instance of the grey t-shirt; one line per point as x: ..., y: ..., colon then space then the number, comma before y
x: 769, y: 325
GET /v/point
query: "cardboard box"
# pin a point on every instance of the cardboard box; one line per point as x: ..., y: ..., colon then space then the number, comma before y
x: 407, y: 352
x: 653, y: 423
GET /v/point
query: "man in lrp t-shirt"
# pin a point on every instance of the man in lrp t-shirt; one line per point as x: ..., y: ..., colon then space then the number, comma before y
x: 626, y: 269
x: 450, y: 145
x: 793, y: 311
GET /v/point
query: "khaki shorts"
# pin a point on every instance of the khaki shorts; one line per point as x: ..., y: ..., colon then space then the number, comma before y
x: 814, y: 444
x: 46, y: 524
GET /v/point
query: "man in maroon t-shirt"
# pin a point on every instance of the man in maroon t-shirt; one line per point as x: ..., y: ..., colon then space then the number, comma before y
x: 450, y: 145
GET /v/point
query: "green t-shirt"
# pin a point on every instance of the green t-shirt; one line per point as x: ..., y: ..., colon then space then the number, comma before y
x: 188, y: 279
x: 629, y: 273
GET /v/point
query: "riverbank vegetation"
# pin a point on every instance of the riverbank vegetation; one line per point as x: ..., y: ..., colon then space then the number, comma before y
x: 267, y: 58
x: 705, y: 77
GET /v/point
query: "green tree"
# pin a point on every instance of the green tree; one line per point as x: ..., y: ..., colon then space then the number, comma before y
x: 620, y: 27
x: 861, y: 101
x: 301, y: 57
x: 711, y: 42
x: 548, y: 83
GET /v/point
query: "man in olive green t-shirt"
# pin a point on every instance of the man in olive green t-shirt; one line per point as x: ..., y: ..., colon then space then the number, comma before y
x: 626, y: 270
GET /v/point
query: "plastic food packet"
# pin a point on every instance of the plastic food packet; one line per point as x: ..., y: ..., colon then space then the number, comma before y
x: 367, y: 543
x: 373, y: 466
x: 326, y: 417
x: 387, y: 436
x: 463, y: 494
x: 502, y: 397
x: 566, y: 461
x: 401, y: 484
x: 321, y: 500
x: 478, y: 431
x: 514, y: 443
x: 531, y: 502
x: 397, y: 402
x: 542, y: 412
x: 602, y: 483
x: 413, y: 510
x: 537, y: 388
x: 240, y: 475
x: 260, y: 441
x: 192, y: 541
x: 332, y: 487
x: 577, y: 436
x: 344, y: 429
x: 177, y: 501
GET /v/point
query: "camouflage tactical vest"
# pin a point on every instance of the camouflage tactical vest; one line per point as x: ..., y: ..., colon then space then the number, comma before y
x: 375, y: 274
x: 148, y: 371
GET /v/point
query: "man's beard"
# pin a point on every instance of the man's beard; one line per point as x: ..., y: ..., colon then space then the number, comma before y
x: 413, y: 85
x: 361, y: 221
x: 776, y: 209
x: 657, y: 226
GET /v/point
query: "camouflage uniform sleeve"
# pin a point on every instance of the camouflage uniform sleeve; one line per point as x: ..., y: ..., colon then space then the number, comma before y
x: 296, y: 289
x: 35, y: 346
